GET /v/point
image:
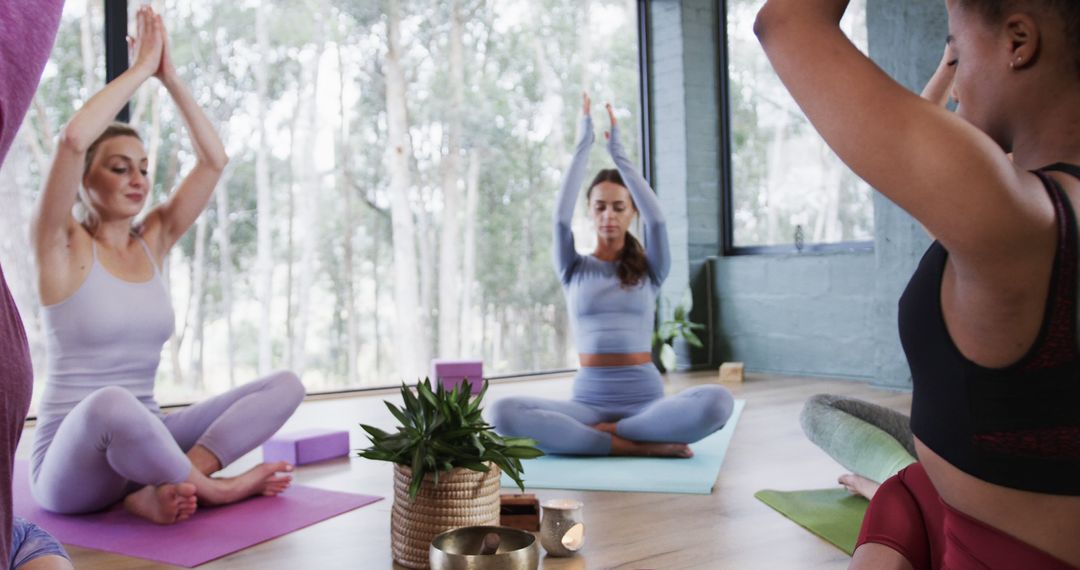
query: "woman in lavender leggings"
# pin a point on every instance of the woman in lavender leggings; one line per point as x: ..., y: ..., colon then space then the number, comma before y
x: 101, y: 437
x: 618, y: 407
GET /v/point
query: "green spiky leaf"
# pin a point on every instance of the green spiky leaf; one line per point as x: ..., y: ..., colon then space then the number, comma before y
x: 442, y: 429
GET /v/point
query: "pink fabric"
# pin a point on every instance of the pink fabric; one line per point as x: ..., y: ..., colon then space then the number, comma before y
x: 27, y: 31
x: 16, y: 384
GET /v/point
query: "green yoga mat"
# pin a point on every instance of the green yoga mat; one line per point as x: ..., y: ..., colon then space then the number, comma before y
x: 832, y: 514
x: 696, y: 475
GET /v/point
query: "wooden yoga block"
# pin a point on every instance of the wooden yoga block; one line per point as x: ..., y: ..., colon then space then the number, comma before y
x: 731, y: 372
x: 452, y: 372
x: 521, y: 511
x: 306, y: 446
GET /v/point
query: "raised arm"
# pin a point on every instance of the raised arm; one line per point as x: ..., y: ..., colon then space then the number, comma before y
x: 944, y: 171
x: 564, y: 254
x: 52, y: 219
x: 939, y: 87
x: 167, y: 222
x: 657, y: 250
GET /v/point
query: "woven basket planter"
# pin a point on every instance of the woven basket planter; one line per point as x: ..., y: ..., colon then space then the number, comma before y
x: 462, y: 498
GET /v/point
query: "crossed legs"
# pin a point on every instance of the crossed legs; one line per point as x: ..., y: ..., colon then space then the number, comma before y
x: 111, y: 447
x: 663, y: 427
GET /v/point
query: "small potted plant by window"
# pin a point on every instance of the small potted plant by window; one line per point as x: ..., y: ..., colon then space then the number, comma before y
x: 447, y: 461
x: 664, y: 337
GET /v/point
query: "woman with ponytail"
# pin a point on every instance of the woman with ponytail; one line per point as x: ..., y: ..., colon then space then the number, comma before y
x: 618, y: 406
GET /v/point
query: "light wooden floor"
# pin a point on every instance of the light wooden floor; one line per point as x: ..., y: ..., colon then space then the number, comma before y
x: 728, y: 529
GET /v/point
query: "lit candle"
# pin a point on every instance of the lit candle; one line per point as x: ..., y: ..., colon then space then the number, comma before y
x: 574, y: 538
x: 562, y: 532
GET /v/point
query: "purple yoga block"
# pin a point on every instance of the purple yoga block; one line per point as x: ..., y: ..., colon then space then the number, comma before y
x: 306, y: 446
x: 452, y: 372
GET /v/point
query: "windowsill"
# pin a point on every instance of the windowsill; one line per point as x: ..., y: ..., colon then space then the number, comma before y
x: 815, y: 249
x: 31, y: 421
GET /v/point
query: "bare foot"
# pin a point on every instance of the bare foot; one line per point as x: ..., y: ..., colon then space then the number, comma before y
x: 608, y: 427
x: 163, y: 504
x: 858, y: 485
x: 263, y: 479
x: 622, y: 446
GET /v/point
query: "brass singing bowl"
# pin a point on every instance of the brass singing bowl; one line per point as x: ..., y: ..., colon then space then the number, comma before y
x: 457, y: 549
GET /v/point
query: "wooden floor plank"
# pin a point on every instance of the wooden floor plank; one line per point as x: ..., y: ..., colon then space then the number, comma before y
x: 728, y: 529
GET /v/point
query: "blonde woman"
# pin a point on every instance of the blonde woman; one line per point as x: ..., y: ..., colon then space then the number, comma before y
x: 101, y: 437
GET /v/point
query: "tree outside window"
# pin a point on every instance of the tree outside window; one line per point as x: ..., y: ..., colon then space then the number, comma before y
x: 783, y: 175
x: 393, y: 170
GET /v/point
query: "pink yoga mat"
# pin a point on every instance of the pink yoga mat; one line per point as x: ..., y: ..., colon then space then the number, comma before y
x: 208, y: 535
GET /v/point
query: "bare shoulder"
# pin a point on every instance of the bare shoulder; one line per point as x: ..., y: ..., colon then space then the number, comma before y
x: 1014, y: 229
x: 64, y: 263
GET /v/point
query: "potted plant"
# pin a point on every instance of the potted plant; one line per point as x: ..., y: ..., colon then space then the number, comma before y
x: 679, y: 326
x: 447, y: 461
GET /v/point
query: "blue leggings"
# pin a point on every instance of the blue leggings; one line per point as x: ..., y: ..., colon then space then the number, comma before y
x: 631, y: 396
x: 30, y: 542
x: 110, y: 444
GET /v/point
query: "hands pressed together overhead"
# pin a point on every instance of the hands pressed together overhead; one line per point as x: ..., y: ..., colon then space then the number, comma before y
x: 586, y: 108
x: 149, y: 49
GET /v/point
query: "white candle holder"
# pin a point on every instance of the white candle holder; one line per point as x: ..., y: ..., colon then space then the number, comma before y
x: 562, y: 532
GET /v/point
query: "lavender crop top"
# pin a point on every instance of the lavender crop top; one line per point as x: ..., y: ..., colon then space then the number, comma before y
x: 607, y: 318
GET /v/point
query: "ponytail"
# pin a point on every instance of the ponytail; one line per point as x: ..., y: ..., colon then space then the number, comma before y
x: 633, y: 267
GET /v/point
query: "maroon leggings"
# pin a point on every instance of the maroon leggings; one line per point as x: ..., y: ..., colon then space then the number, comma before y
x: 908, y: 516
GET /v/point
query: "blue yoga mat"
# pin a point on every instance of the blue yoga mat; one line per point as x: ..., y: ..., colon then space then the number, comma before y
x: 696, y: 475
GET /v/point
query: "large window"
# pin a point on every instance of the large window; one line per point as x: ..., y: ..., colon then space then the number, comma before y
x: 389, y: 196
x: 784, y: 178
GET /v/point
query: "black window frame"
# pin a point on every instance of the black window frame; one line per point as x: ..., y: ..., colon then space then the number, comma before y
x: 727, y: 189
x: 116, y: 48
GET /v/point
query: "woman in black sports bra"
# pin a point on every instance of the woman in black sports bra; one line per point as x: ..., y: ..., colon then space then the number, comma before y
x: 989, y: 320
